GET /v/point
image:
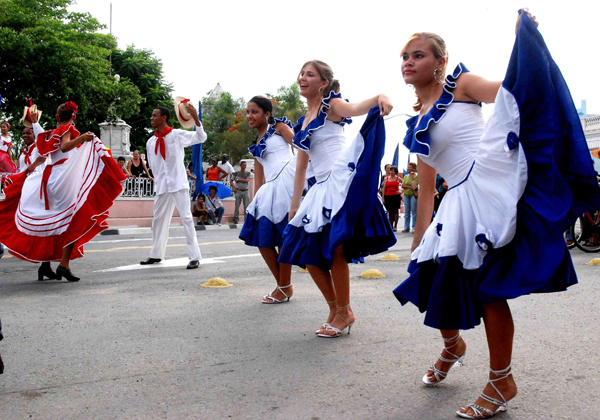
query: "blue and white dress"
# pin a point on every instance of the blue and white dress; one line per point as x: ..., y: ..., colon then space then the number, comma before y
x: 267, y: 215
x: 515, y: 184
x: 343, y: 206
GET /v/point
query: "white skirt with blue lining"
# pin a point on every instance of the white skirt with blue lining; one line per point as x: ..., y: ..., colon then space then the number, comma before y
x: 345, y: 208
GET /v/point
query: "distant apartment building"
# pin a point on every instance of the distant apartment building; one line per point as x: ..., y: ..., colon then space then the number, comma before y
x: 591, y: 126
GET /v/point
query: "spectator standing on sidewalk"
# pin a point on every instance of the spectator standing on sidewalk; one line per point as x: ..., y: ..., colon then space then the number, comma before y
x: 410, y: 188
x: 240, y: 182
x: 191, y: 177
x: 226, y: 166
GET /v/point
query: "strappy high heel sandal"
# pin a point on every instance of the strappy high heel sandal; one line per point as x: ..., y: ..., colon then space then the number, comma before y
x: 502, y: 405
x: 440, y: 375
x: 332, y: 332
x: 269, y: 299
x: 325, y: 325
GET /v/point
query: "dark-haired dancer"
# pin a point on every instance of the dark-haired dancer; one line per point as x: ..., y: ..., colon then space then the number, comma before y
x: 50, y: 215
x: 165, y: 155
x: 341, y: 218
x: 6, y: 163
x: 267, y: 215
x: 515, y: 183
x: 32, y: 162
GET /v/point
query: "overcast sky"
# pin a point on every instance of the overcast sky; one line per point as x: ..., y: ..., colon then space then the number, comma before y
x: 254, y: 47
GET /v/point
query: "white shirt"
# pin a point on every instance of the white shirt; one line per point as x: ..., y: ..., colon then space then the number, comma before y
x: 170, y: 174
x: 227, y: 166
x: 37, y: 129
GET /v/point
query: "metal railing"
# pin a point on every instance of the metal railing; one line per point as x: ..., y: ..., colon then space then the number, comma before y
x: 591, y: 123
x: 138, y: 187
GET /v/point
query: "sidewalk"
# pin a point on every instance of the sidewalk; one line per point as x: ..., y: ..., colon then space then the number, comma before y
x: 174, y: 228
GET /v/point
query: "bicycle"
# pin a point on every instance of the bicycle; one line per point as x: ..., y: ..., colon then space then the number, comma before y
x: 585, y: 232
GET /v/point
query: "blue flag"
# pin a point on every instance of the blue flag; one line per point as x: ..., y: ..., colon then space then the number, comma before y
x: 197, y: 160
x: 395, y: 159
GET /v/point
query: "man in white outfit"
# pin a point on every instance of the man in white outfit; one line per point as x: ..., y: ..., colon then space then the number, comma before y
x: 165, y: 150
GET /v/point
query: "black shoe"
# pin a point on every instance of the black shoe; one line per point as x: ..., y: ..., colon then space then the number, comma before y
x: 66, y: 273
x: 193, y: 264
x: 149, y: 261
x: 46, y: 271
x: 200, y: 223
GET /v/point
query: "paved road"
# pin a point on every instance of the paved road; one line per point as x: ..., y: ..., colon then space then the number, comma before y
x: 151, y: 343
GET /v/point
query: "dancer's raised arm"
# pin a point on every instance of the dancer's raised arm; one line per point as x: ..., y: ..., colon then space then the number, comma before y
x: 341, y: 108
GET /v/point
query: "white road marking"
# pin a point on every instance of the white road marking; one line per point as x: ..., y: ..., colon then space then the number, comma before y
x: 114, y: 241
x: 177, y: 262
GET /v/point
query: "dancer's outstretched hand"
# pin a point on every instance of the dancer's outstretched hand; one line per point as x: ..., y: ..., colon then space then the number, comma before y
x: 533, y: 19
x: 385, y: 105
x: 89, y: 136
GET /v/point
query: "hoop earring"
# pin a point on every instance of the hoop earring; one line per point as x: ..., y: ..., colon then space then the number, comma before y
x: 437, y: 74
x: 321, y: 89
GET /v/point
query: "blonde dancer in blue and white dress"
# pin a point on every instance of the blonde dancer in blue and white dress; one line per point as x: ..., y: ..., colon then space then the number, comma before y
x: 267, y: 215
x: 341, y: 217
x: 516, y: 182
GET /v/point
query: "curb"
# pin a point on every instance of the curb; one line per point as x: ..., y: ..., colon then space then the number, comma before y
x: 134, y: 230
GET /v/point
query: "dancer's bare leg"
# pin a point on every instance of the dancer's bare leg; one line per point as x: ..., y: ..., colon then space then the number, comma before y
x: 323, y: 281
x: 66, y: 256
x: 281, y: 272
x: 341, y: 281
x: 455, y: 346
x: 500, y: 330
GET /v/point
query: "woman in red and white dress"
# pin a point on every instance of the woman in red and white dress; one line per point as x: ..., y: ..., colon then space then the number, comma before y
x: 49, y: 216
x: 6, y: 163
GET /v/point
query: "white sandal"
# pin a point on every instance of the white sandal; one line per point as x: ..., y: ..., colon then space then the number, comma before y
x: 502, y: 405
x: 272, y: 300
x: 325, y: 325
x: 328, y: 328
x: 440, y: 375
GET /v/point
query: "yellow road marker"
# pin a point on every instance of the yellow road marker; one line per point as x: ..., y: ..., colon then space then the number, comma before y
x: 216, y: 282
x: 372, y: 274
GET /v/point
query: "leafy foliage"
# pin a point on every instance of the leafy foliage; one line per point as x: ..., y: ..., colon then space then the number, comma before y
x: 144, y: 70
x: 53, y: 55
x: 226, y: 126
x: 287, y: 102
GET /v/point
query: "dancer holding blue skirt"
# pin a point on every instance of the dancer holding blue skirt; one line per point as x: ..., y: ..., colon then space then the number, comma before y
x: 341, y: 218
x: 267, y: 214
x: 516, y: 182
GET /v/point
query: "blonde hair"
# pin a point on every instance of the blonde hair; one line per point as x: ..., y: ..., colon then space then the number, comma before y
x: 326, y: 74
x: 438, y: 47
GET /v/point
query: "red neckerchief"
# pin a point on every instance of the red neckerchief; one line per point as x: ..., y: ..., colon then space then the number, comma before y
x: 160, y: 142
x: 27, y: 150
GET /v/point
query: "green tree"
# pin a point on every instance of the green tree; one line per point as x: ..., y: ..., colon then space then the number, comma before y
x: 53, y: 55
x: 287, y: 102
x: 144, y: 70
x: 225, y: 126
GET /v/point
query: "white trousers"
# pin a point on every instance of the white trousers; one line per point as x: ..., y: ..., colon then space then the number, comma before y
x: 164, y: 204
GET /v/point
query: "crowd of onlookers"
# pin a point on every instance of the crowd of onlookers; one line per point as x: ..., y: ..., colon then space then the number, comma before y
x: 207, y: 207
x: 403, y: 190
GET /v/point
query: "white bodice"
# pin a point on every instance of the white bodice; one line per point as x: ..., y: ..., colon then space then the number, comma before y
x: 454, y: 141
x: 276, y: 154
x: 326, y: 143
